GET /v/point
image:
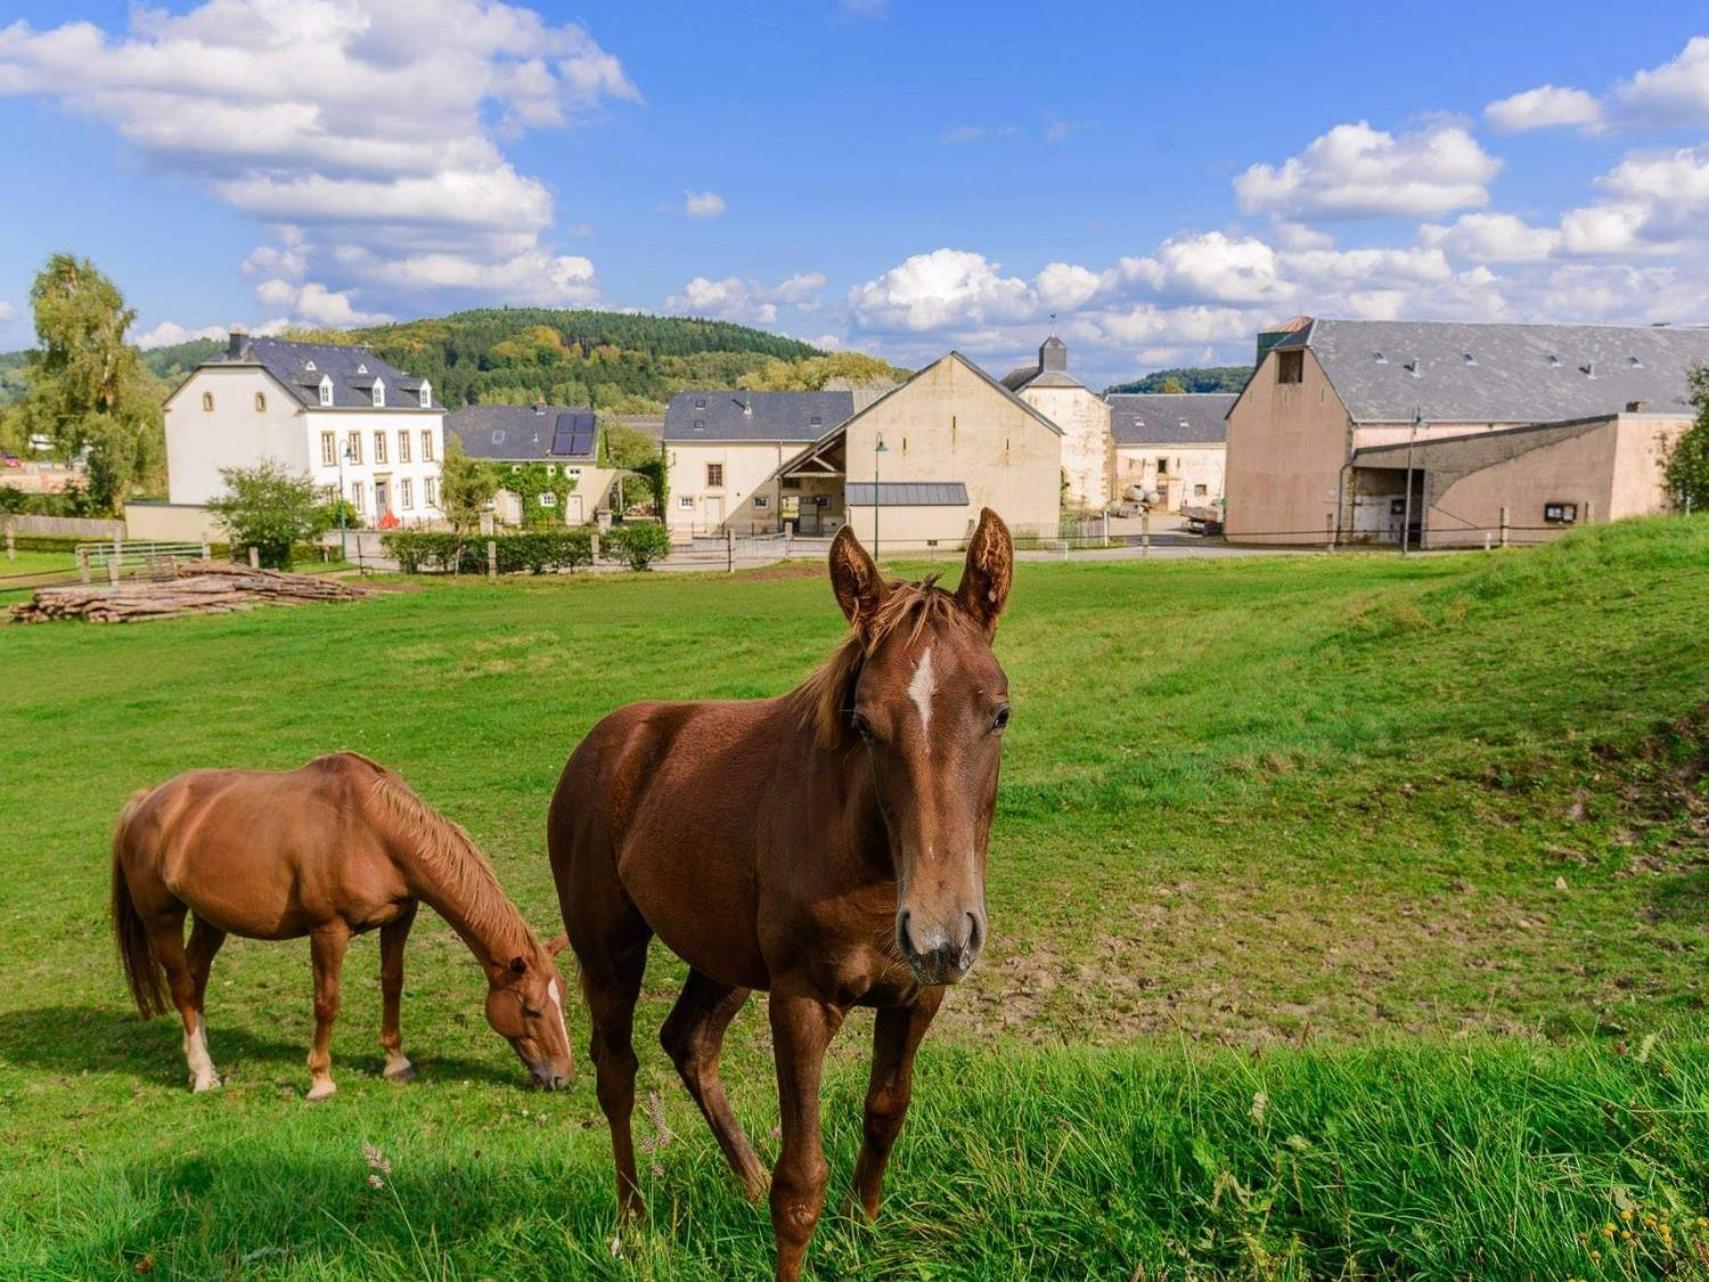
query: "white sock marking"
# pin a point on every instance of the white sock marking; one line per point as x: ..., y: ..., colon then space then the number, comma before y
x: 196, y: 1054
x: 922, y: 688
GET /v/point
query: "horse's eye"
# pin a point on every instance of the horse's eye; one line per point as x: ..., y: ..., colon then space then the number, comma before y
x: 862, y: 727
x: 1002, y: 718
x: 531, y: 1013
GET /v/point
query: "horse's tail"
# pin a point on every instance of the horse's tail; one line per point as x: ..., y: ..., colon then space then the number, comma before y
x: 144, y: 974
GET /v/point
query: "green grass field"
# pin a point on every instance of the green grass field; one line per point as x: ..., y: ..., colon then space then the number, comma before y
x: 1348, y: 919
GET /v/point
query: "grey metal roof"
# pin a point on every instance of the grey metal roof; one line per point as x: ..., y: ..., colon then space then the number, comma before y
x: 1173, y: 418
x: 1455, y: 372
x: 301, y: 366
x: 906, y: 494
x: 755, y: 416
x: 526, y: 433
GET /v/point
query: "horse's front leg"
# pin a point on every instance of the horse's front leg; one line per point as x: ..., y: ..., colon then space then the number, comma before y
x: 392, y: 938
x: 801, y: 1029
x: 326, y: 948
x: 895, y: 1037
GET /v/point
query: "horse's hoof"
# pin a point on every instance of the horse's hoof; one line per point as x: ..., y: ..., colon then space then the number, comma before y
x: 320, y: 1091
x: 210, y: 1083
x: 400, y: 1073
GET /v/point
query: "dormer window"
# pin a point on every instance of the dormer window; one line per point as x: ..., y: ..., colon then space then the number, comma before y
x: 379, y: 393
x: 427, y: 396
x: 326, y: 389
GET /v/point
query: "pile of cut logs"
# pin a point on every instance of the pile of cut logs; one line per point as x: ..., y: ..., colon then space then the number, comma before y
x: 202, y: 587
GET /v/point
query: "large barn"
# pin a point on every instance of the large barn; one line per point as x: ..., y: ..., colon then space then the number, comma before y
x: 1312, y: 438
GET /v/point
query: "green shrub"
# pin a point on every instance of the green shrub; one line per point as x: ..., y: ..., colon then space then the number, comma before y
x: 638, y: 542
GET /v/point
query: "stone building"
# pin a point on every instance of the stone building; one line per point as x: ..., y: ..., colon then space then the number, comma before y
x: 1172, y: 445
x: 1088, y: 456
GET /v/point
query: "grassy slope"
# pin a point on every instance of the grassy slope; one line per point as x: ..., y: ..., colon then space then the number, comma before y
x: 1254, y: 803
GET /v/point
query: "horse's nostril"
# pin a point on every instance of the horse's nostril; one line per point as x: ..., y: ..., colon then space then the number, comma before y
x: 974, y: 932
x: 902, y: 935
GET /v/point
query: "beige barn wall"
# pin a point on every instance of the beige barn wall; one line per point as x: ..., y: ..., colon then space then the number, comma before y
x: 1641, y: 451
x: 1612, y: 472
x: 1287, y: 443
x: 950, y: 424
x: 1190, y: 465
x: 199, y: 443
x: 1086, y: 446
x: 747, y: 467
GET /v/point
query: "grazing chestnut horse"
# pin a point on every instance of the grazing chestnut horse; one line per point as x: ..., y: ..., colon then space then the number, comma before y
x: 336, y: 848
x: 827, y: 846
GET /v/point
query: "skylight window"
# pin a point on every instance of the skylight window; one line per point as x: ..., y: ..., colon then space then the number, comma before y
x: 1554, y: 361
x: 1469, y: 358
x: 1634, y: 362
x: 309, y: 366
x: 361, y: 369
x: 1379, y: 358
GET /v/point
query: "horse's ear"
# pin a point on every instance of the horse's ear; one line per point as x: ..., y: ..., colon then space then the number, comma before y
x: 855, y: 580
x: 990, y: 568
x: 558, y: 945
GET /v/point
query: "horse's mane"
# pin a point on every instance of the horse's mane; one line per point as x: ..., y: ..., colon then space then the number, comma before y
x: 450, y: 854
x: 822, y: 701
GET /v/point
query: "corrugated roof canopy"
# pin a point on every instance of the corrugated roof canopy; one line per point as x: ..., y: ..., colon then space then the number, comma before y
x: 907, y: 494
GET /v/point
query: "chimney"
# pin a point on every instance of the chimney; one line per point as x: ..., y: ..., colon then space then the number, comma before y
x: 539, y: 407
x: 234, y: 342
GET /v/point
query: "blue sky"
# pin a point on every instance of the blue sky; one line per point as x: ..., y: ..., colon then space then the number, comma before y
x: 899, y: 177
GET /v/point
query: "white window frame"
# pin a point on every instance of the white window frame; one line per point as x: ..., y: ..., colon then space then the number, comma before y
x: 326, y: 389
x: 430, y: 491
x: 354, y: 445
x: 685, y: 502
x: 406, y: 494
x: 403, y: 445
x: 329, y: 449
x: 356, y: 496
x: 426, y: 395
x: 380, y: 449
x: 427, y: 445
x: 379, y: 393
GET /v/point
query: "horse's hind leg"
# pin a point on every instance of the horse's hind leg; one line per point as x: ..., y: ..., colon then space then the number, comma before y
x: 392, y: 938
x: 693, y: 1037
x: 611, y: 970
x: 326, y: 947
x: 205, y: 942
x: 166, y: 941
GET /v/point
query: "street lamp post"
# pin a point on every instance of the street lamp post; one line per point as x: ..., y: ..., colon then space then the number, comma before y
x: 1406, y: 504
x: 875, y: 457
x: 343, y: 550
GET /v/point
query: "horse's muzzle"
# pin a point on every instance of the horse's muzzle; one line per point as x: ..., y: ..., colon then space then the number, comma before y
x: 940, y: 954
x: 548, y: 1078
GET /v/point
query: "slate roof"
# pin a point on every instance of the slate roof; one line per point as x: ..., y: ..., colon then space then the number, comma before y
x: 353, y: 371
x: 774, y: 416
x: 1050, y: 371
x: 1170, y: 418
x: 907, y: 494
x: 526, y: 433
x: 1491, y: 373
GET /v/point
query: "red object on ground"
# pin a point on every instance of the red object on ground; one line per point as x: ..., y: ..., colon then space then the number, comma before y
x: 388, y: 521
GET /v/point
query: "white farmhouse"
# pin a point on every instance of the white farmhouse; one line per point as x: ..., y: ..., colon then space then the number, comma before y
x: 1171, y: 444
x: 356, y: 425
x: 1082, y: 416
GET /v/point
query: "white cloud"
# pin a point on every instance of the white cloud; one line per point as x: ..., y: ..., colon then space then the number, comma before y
x: 1355, y: 171
x: 1545, y: 107
x: 356, y: 123
x: 7, y: 311
x: 1656, y: 202
x: 1492, y: 238
x: 747, y: 301
x: 1066, y: 286
x: 1062, y: 130
x: 946, y: 288
x: 1677, y: 92
x: 702, y: 204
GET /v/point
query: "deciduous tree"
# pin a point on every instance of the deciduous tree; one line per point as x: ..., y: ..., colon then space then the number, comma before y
x: 87, y: 390
x: 270, y: 508
x: 1688, y: 464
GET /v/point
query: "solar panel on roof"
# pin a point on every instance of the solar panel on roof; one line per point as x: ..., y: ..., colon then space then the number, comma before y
x: 573, y: 434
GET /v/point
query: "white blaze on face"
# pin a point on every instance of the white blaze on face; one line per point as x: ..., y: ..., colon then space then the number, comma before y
x: 922, y: 688
x: 558, y: 1007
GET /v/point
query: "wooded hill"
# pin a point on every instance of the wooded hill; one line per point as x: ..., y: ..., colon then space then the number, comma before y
x: 1211, y: 378
x: 610, y: 360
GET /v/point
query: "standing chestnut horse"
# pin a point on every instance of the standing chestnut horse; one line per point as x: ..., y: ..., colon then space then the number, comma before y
x: 827, y: 846
x: 336, y: 848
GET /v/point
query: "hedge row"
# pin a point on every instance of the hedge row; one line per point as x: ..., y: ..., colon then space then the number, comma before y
x: 639, y: 543
x: 536, y: 551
